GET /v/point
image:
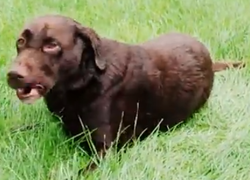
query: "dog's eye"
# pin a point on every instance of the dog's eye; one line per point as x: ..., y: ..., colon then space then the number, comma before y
x: 51, y: 48
x: 20, y: 42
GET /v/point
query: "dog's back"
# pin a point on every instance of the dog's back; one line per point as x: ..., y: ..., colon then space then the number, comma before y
x: 181, y: 76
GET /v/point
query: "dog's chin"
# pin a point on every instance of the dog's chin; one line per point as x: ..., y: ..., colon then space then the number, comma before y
x: 29, y: 95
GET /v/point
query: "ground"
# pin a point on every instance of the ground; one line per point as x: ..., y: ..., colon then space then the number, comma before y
x: 214, y: 144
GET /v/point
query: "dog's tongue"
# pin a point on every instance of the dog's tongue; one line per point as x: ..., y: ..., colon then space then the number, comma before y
x: 26, y: 93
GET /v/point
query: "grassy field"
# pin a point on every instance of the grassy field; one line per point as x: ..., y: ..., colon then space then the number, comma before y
x: 215, y: 144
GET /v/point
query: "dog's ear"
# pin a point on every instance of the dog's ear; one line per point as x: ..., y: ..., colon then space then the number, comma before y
x: 91, y: 39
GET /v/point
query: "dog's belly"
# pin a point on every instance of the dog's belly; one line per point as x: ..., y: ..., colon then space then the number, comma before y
x: 134, y: 117
x: 163, y: 109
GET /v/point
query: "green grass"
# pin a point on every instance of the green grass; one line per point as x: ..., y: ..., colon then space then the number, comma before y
x: 215, y: 144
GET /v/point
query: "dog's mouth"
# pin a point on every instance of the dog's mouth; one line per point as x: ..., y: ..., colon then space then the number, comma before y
x: 30, y: 93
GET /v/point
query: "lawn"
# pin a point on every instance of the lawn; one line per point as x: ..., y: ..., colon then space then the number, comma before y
x: 215, y: 144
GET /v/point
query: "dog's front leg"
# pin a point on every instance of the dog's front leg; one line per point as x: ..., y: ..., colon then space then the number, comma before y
x: 102, y: 139
x: 101, y: 132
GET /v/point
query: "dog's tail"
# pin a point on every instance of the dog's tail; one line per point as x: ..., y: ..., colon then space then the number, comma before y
x: 220, y: 66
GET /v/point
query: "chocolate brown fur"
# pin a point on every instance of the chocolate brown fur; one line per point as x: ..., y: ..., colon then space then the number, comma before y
x: 103, y: 84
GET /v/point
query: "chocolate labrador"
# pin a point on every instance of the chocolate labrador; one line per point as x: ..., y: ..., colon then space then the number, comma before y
x: 113, y: 89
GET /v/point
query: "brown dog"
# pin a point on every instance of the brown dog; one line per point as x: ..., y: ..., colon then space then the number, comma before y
x: 108, y: 85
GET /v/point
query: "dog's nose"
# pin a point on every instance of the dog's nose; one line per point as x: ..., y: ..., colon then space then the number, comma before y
x: 15, y: 79
x: 14, y: 75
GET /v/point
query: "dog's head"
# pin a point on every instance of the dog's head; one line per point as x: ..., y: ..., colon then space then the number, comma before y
x: 50, y: 49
